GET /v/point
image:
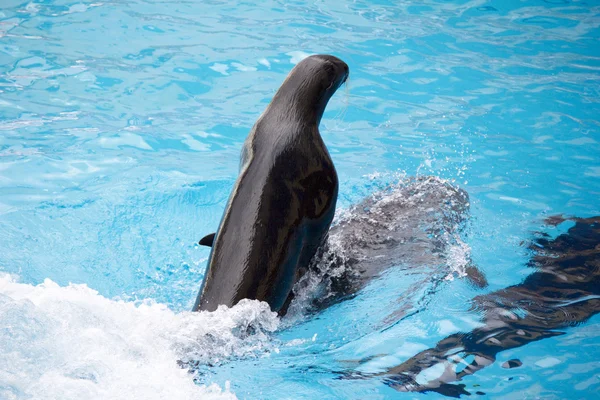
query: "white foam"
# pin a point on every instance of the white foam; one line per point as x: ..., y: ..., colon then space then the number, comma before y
x: 458, y: 255
x: 72, y: 343
x: 424, y: 215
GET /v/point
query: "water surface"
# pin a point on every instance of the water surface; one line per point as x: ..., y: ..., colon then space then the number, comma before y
x: 121, y: 124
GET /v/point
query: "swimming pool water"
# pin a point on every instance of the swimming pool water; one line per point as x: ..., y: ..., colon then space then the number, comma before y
x: 121, y: 124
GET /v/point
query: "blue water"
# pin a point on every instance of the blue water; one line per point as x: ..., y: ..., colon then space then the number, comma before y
x: 121, y: 124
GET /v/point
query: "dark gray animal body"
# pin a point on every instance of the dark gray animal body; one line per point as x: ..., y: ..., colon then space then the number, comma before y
x: 415, y: 224
x: 564, y: 291
x: 284, y: 199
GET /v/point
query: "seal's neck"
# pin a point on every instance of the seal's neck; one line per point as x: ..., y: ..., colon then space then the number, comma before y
x: 302, y: 97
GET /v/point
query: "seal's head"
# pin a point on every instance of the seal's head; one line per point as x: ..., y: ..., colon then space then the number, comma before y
x: 310, y: 85
x: 329, y: 70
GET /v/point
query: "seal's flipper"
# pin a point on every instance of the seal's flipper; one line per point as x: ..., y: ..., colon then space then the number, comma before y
x: 207, y: 240
x: 476, y: 277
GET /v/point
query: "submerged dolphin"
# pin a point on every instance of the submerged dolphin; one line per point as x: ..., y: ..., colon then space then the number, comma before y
x: 284, y: 199
x: 414, y: 224
x: 564, y: 291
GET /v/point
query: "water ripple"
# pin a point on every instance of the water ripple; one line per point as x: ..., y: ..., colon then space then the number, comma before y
x: 121, y: 123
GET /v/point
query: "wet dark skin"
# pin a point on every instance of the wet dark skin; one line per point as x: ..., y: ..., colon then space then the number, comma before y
x: 283, y: 202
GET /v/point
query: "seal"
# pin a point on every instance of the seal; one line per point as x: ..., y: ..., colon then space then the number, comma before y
x: 283, y: 202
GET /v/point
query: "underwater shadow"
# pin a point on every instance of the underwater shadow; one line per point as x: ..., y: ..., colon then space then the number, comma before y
x: 563, y: 292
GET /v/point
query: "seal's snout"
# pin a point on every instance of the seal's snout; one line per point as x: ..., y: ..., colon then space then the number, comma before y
x: 310, y: 85
x: 346, y: 71
x: 341, y: 68
x: 334, y: 65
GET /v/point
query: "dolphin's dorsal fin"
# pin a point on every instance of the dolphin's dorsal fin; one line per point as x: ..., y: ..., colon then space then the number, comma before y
x: 207, y: 240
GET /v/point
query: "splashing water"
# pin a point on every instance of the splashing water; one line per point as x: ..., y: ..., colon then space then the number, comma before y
x: 70, y: 342
x: 121, y: 124
x: 414, y: 225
